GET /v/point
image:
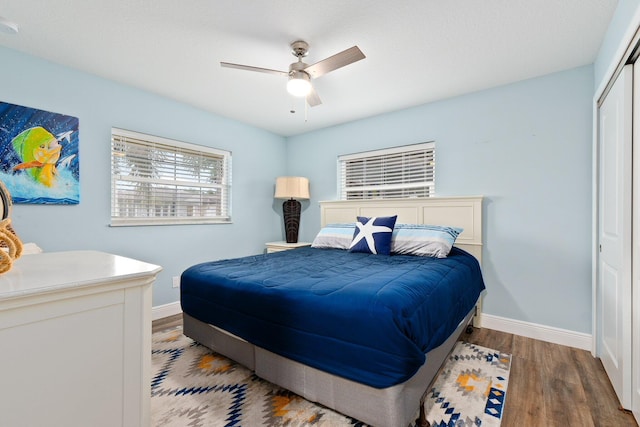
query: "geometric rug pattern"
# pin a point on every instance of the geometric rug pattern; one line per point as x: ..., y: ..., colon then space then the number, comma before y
x: 471, y: 389
x: 192, y: 386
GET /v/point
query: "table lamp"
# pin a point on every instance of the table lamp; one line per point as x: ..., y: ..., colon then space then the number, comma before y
x: 291, y: 188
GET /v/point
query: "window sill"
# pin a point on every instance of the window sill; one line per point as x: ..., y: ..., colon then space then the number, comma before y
x: 164, y: 221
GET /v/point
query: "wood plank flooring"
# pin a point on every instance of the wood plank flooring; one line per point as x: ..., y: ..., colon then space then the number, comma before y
x: 166, y: 323
x: 554, y: 385
x: 550, y: 385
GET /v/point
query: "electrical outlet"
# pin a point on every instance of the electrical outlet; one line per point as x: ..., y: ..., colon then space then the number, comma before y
x: 176, y: 281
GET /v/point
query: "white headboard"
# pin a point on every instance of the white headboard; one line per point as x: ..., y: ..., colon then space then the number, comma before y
x: 463, y: 212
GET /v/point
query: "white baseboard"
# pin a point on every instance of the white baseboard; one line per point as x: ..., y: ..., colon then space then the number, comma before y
x: 540, y: 332
x: 165, y: 310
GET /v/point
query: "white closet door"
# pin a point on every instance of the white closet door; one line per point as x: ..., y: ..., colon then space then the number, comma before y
x: 635, y: 250
x: 614, y: 232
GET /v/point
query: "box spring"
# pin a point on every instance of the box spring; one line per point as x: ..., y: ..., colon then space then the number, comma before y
x: 387, y: 407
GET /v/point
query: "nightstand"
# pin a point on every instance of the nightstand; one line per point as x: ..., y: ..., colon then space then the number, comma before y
x: 284, y: 246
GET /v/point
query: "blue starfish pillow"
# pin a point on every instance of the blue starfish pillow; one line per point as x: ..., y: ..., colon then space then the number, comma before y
x: 373, y: 235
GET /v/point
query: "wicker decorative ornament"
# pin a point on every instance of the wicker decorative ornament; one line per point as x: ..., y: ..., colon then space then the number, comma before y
x: 10, y: 244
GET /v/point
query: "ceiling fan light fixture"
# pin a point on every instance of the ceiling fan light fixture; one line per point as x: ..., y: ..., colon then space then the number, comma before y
x: 299, y: 84
x: 299, y: 74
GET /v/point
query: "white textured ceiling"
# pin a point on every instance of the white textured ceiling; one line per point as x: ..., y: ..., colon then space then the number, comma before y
x: 417, y: 51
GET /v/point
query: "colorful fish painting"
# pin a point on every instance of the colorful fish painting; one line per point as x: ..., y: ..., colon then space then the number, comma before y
x: 39, y: 151
x: 39, y: 155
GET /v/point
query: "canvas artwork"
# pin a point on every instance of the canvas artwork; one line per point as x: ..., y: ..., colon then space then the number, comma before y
x: 39, y: 161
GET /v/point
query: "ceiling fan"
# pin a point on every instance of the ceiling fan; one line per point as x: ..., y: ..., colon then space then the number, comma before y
x: 300, y: 74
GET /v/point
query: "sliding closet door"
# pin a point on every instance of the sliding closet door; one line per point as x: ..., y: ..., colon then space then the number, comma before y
x: 614, y: 232
x: 635, y: 250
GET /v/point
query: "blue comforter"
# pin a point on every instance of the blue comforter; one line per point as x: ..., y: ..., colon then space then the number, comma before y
x: 368, y: 318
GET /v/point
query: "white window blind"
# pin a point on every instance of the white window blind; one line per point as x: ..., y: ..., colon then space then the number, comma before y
x: 161, y: 181
x: 394, y: 173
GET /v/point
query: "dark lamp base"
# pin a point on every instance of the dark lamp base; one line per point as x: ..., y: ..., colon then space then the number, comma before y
x: 291, y: 209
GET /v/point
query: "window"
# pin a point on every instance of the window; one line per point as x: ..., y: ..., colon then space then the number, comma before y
x: 394, y: 173
x: 160, y: 181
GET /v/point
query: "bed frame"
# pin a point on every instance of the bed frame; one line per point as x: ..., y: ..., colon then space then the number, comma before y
x: 389, y: 407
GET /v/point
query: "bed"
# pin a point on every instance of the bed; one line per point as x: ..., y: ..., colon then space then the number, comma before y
x: 311, y: 328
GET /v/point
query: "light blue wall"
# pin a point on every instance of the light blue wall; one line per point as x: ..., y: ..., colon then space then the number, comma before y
x: 621, y: 21
x: 258, y: 158
x: 526, y: 147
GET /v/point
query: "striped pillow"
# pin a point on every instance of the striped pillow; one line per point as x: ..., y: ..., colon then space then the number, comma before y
x: 337, y: 236
x: 425, y: 240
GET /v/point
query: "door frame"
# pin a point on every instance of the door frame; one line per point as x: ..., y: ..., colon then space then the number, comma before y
x: 627, y: 52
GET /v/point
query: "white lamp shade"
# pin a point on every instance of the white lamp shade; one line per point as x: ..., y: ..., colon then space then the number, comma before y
x: 292, y: 187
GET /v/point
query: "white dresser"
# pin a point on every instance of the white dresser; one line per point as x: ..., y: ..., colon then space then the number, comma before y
x: 75, y: 340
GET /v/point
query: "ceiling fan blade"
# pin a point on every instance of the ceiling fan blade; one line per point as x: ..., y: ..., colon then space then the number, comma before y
x: 334, y: 62
x: 312, y: 98
x: 250, y: 68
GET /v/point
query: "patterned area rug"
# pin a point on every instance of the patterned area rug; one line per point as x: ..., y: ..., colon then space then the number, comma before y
x: 193, y: 386
x: 471, y: 388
